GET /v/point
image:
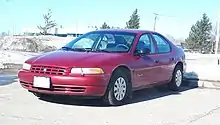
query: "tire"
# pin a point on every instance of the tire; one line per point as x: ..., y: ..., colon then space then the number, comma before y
x: 119, y: 83
x: 177, y: 79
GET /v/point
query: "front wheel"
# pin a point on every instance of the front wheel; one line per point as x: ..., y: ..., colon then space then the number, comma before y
x: 117, y: 92
x: 177, y: 79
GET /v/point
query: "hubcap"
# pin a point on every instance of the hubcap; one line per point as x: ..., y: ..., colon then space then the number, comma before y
x: 178, y: 78
x: 120, y: 89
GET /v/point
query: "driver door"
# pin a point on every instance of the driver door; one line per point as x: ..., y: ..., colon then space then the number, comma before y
x: 147, y: 66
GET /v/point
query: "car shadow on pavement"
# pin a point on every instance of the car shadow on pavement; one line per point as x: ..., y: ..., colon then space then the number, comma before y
x: 191, y: 76
x: 138, y: 96
x: 161, y: 91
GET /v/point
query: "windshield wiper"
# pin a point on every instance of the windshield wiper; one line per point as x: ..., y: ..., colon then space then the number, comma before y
x: 77, y: 49
x: 66, y: 48
x: 82, y: 49
x: 103, y: 51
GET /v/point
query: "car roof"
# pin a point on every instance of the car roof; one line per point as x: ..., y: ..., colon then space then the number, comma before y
x: 137, y: 31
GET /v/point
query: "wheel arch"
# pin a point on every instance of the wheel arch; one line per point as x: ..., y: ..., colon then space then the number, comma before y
x: 128, y: 72
x: 124, y: 69
x: 179, y: 63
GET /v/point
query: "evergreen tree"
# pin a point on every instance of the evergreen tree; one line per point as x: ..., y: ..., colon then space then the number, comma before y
x: 105, y: 26
x: 134, y: 22
x: 200, y: 36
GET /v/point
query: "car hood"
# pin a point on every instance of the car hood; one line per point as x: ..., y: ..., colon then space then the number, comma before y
x: 72, y: 59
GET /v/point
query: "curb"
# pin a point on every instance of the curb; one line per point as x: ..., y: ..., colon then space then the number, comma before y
x: 207, y: 84
x: 203, y: 83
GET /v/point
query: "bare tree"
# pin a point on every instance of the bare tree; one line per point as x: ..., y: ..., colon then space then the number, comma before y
x: 48, y: 23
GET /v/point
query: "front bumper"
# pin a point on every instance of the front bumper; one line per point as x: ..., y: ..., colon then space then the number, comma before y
x: 92, y: 85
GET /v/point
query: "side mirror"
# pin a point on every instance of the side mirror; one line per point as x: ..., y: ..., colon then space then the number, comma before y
x: 142, y: 51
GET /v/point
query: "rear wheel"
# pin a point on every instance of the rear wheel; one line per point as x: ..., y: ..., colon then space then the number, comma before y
x: 177, y: 79
x: 118, y: 89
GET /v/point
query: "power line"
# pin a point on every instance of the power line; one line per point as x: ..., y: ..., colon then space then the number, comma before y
x: 156, y: 17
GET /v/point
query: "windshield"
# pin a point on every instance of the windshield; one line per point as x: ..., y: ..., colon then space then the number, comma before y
x: 102, y: 42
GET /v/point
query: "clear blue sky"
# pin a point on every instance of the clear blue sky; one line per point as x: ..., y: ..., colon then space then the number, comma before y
x: 183, y: 13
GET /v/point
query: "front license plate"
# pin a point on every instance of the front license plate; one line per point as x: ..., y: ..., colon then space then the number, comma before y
x: 41, y: 82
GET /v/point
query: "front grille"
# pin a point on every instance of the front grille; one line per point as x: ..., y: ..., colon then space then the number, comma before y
x: 57, y: 88
x: 68, y: 88
x: 48, y: 70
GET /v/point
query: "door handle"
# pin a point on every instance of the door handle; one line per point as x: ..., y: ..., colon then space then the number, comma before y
x: 156, y: 61
x: 140, y: 75
x: 172, y: 59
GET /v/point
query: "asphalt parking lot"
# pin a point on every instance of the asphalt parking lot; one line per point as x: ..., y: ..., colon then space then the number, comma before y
x: 153, y: 106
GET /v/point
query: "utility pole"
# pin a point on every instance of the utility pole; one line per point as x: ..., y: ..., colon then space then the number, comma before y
x: 217, y: 34
x: 155, y: 20
x: 217, y: 38
x: 156, y: 17
x: 76, y: 28
x: 13, y: 29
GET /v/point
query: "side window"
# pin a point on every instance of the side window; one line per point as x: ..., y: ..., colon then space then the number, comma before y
x: 145, y: 42
x: 162, y: 45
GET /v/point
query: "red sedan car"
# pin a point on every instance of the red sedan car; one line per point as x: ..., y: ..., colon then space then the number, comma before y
x: 106, y: 63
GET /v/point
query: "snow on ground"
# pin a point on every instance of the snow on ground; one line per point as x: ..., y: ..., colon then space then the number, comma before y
x: 201, y: 56
x: 203, y: 66
x: 15, y: 57
x: 203, y: 72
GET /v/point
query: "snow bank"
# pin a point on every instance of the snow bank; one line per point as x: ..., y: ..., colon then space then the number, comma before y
x: 56, y: 41
x: 17, y: 49
x: 15, y: 57
x: 33, y: 43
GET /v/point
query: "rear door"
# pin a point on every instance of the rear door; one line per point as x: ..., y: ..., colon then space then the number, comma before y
x: 165, y: 57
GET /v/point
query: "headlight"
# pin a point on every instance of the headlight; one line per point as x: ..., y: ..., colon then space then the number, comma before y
x: 87, y: 71
x: 26, y: 66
